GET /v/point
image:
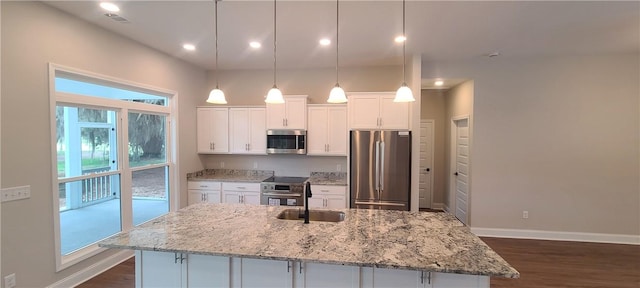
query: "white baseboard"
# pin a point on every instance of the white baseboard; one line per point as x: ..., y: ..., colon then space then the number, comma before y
x: 87, y: 273
x: 439, y: 206
x: 445, y: 208
x: 557, y: 236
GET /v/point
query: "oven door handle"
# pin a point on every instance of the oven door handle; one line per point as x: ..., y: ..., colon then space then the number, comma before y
x: 282, y: 194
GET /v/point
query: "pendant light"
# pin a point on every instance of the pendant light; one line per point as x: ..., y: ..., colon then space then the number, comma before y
x: 404, y: 93
x: 274, y: 96
x: 337, y: 94
x: 216, y: 96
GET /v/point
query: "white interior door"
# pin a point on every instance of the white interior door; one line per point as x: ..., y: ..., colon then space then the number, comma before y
x: 426, y: 163
x: 461, y: 173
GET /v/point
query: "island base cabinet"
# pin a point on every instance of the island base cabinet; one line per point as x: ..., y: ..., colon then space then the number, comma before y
x: 396, y: 278
x: 247, y: 273
x: 311, y: 275
x: 166, y: 269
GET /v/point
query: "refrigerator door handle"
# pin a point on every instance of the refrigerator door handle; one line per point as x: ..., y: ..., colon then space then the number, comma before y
x: 377, y: 183
x: 381, y: 169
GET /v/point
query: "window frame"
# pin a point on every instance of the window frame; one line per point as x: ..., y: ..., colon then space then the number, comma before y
x: 122, y: 109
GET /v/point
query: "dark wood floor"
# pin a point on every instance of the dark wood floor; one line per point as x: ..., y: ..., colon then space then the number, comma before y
x: 541, y: 264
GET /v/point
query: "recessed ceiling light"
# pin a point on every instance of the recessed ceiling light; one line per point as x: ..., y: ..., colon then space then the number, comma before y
x: 401, y: 39
x: 189, y: 47
x: 438, y: 83
x: 255, y: 44
x: 109, y: 7
x: 325, y: 42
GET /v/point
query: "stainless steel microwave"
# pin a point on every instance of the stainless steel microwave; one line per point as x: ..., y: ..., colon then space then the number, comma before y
x: 286, y: 142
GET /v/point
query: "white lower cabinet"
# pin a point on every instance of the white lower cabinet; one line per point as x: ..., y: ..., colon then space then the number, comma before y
x: 203, y: 191
x: 328, y: 196
x: 247, y: 273
x: 167, y: 269
x: 309, y: 275
x: 241, y: 193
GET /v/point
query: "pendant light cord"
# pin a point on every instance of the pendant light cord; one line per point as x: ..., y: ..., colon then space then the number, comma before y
x: 404, y: 45
x: 216, y: 11
x: 274, y: 43
x: 337, y: 37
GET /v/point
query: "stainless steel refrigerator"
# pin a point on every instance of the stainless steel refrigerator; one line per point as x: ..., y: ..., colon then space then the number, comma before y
x: 380, y: 169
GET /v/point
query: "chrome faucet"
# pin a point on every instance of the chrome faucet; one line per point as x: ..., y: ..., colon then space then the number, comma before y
x: 307, y: 195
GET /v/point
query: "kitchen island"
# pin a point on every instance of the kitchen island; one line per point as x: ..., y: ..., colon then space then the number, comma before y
x: 247, y: 246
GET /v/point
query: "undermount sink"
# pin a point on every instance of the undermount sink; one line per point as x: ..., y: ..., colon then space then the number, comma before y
x: 314, y: 215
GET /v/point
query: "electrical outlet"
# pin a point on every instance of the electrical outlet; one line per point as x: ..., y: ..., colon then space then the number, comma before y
x: 16, y: 193
x: 525, y: 214
x: 338, y: 167
x: 10, y: 280
x: 221, y: 164
x: 255, y: 165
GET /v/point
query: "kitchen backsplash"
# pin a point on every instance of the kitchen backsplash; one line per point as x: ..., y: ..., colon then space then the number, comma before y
x: 282, y: 165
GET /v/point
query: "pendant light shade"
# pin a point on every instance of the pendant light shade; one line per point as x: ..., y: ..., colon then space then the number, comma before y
x: 404, y: 93
x: 216, y: 96
x: 337, y: 94
x: 274, y: 96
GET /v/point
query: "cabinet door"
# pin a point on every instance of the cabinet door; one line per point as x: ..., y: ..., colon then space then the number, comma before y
x: 263, y: 273
x: 257, y: 131
x: 325, y: 275
x: 159, y: 269
x: 231, y: 197
x: 317, y: 133
x: 252, y: 198
x: 212, y: 196
x: 195, y: 196
x: 239, y: 123
x: 207, y: 271
x: 394, y: 115
x: 336, y: 201
x: 337, y: 131
x: 364, y: 111
x: 397, y: 278
x: 276, y: 114
x: 296, y: 113
x: 316, y: 201
x: 212, y: 130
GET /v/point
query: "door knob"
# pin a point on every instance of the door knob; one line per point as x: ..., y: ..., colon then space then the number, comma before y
x: 455, y: 173
x: 428, y: 169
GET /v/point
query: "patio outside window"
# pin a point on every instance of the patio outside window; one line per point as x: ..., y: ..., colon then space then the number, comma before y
x: 113, y: 160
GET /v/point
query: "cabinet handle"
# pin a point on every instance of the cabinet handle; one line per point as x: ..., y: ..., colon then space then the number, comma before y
x: 240, y: 187
x: 288, y: 266
x: 175, y: 258
x: 241, y: 198
x: 286, y: 122
x: 300, y: 267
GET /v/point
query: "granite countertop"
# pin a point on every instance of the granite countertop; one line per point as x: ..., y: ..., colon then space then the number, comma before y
x: 424, y: 241
x: 230, y: 175
x: 328, y: 178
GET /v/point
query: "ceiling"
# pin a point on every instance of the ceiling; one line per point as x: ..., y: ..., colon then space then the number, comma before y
x: 437, y: 30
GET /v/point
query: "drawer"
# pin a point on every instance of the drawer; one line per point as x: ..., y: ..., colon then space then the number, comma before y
x: 203, y: 185
x: 240, y: 186
x: 328, y: 189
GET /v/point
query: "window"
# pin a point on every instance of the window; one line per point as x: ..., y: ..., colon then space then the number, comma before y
x: 113, y: 159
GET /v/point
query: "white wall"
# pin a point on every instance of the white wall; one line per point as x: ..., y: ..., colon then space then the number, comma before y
x: 557, y: 136
x: 34, y: 34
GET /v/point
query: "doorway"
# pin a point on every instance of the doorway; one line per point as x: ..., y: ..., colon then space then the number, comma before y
x: 426, y: 163
x: 460, y: 166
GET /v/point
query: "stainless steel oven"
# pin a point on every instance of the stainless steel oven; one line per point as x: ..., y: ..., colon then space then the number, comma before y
x: 286, y: 142
x: 282, y: 191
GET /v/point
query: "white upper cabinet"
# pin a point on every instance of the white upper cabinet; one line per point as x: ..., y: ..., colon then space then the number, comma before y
x: 327, y: 132
x: 212, y: 130
x: 247, y: 130
x: 290, y: 115
x: 377, y: 111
